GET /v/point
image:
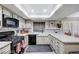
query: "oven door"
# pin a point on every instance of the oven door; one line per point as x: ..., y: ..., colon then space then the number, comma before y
x: 6, y: 36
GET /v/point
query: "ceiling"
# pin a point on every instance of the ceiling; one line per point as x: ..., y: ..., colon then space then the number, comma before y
x: 65, y: 10
x: 38, y: 10
x: 43, y: 11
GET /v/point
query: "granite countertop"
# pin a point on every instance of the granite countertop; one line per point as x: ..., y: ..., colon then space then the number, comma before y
x: 52, y: 28
x: 43, y: 34
x: 4, y: 43
x: 38, y: 34
x: 65, y: 38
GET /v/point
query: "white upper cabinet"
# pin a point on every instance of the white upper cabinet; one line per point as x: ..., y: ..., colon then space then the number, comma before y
x: 0, y: 10
x: 21, y: 23
x: 7, y: 12
x: 15, y: 16
x: 0, y: 16
x: 29, y: 24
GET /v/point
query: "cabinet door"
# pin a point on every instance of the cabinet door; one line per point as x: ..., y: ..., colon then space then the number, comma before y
x: 0, y: 16
x: 45, y: 40
x: 6, y: 12
x: 26, y: 39
x: 21, y: 23
x: 39, y: 40
x: 59, y: 47
x: 56, y: 45
x: 42, y: 40
x: 52, y: 42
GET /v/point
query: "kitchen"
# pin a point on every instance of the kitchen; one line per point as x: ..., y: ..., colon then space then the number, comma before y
x: 26, y: 28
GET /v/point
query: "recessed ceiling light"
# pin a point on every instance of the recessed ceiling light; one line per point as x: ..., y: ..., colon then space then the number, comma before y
x: 32, y: 10
x: 45, y: 10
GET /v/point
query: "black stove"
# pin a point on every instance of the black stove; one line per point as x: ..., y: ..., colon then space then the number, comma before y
x: 6, y: 36
x: 9, y: 36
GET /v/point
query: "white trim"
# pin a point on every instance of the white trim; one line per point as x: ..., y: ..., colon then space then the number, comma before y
x: 55, y: 9
x: 20, y: 8
x: 39, y: 16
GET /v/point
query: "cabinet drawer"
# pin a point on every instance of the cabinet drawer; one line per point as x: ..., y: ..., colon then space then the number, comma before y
x: 51, y: 43
x: 59, y: 47
x: 60, y: 44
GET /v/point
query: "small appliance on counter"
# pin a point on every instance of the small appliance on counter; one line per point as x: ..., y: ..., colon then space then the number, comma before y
x: 59, y: 25
x: 67, y: 33
x: 76, y: 35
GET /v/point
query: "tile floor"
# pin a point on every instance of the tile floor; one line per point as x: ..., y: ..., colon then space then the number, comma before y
x: 38, y: 49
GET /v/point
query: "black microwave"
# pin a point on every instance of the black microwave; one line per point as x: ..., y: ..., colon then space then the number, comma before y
x: 9, y: 21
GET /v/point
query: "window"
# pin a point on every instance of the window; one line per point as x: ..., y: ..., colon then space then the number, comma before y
x: 38, y: 26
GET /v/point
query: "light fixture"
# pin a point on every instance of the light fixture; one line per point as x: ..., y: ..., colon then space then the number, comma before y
x: 32, y: 10
x: 45, y: 10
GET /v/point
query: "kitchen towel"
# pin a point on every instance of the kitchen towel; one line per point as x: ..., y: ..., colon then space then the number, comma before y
x: 18, y: 47
x: 22, y: 43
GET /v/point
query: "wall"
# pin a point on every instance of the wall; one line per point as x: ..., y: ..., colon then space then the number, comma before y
x: 76, y: 14
x: 48, y: 25
x: 52, y: 24
x: 71, y: 23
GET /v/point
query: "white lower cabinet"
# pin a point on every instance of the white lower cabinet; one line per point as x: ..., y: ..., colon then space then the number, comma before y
x: 5, y: 50
x: 56, y: 45
x: 60, y: 47
x: 42, y: 40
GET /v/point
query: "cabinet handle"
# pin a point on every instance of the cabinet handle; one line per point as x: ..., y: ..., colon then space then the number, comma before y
x: 51, y: 41
x: 58, y: 47
x: 58, y: 43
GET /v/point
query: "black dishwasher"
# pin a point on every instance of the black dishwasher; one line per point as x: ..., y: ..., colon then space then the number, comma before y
x: 32, y: 39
